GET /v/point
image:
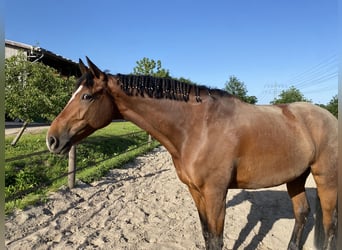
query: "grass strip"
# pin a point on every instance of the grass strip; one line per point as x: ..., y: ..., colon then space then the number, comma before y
x: 29, y: 180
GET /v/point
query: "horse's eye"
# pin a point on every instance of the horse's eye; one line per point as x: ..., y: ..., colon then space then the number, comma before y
x: 87, y: 97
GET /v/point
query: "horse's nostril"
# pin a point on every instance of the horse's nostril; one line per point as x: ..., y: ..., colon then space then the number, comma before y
x: 53, y: 142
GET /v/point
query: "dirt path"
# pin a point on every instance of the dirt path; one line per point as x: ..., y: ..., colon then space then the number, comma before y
x: 145, y: 206
x: 29, y: 130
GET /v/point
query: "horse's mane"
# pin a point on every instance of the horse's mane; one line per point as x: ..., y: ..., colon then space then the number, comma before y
x: 168, y: 88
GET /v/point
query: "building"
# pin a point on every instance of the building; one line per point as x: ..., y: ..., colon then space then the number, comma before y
x: 63, y: 65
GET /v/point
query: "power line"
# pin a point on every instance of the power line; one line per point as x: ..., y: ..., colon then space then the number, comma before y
x: 317, y: 76
x: 325, y: 87
x: 315, y: 79
x: 324, y: 67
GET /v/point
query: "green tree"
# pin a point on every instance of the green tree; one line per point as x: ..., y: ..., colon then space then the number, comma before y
x: 332, y: 106
x: 238, y: 88
x: 290, y: 95
x: 150, y: 67
x: 186, y: 80
x: 34, y: 91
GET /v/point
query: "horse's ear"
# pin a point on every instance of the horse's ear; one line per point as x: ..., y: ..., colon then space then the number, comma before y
x: 94, y: 69
x: 83, y: 68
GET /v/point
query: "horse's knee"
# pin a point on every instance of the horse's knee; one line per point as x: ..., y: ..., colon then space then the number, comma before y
x: 301, y: 208
x: 296, y: 191
x: 302, y: 212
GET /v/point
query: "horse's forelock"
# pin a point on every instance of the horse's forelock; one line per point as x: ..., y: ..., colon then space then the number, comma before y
x: 86, y: 79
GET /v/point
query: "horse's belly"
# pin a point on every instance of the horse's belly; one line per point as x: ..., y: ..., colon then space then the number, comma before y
x: 267, y: 173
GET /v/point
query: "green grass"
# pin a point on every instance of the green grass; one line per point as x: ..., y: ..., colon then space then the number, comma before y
x: 96, y: 155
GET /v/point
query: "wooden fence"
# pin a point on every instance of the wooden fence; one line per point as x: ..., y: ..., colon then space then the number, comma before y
x: 72, y: 164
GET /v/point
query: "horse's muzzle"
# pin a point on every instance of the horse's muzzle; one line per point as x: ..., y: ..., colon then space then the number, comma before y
x: 58, y: 145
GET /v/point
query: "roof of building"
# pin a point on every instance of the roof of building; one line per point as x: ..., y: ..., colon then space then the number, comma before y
x: 64, y: 65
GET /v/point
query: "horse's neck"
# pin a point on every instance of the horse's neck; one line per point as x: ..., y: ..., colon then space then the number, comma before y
x: 171, y: 122
x: 159, y: 117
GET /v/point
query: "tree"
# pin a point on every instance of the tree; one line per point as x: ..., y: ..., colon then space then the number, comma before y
x: 188, y: 81
x: 150, y: 67
x: 34, y: 91
x: 290, y: 95
x: 332, y: 106
x: 238, y: 88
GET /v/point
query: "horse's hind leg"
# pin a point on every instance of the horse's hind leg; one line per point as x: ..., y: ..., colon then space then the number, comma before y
x: 325, y: 174
x: 301, y: 209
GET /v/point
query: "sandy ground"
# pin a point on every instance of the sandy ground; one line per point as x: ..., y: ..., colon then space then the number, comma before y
x: 145, y: 206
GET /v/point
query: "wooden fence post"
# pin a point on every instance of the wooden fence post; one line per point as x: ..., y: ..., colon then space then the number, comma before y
x: 16, y: 139
x: 149, y: 140
x: 72, y: 167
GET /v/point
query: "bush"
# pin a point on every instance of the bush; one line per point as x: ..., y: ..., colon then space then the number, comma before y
x: 34, y: 91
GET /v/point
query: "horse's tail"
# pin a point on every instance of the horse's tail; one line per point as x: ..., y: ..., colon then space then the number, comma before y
x: 319, y: 229
x: 319, y: 236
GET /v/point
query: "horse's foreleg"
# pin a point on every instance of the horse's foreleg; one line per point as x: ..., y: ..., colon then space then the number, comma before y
x: 301, y: 209
x: 211, y: 208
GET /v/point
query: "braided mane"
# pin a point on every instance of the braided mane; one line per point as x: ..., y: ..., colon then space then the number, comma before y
x: 168, y: 88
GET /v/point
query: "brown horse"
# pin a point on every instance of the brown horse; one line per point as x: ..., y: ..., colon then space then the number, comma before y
x: 216, y: 142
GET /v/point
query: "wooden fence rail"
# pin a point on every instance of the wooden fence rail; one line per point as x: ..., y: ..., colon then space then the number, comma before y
x: 20, y: 157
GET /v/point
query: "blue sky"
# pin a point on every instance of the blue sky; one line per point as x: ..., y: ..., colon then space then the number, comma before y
x: 269, y: 45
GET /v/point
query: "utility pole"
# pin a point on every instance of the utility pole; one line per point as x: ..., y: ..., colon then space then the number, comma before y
x: 275, y: 89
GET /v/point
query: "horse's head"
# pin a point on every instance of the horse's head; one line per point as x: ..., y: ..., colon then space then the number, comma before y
x: 91, y: 107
